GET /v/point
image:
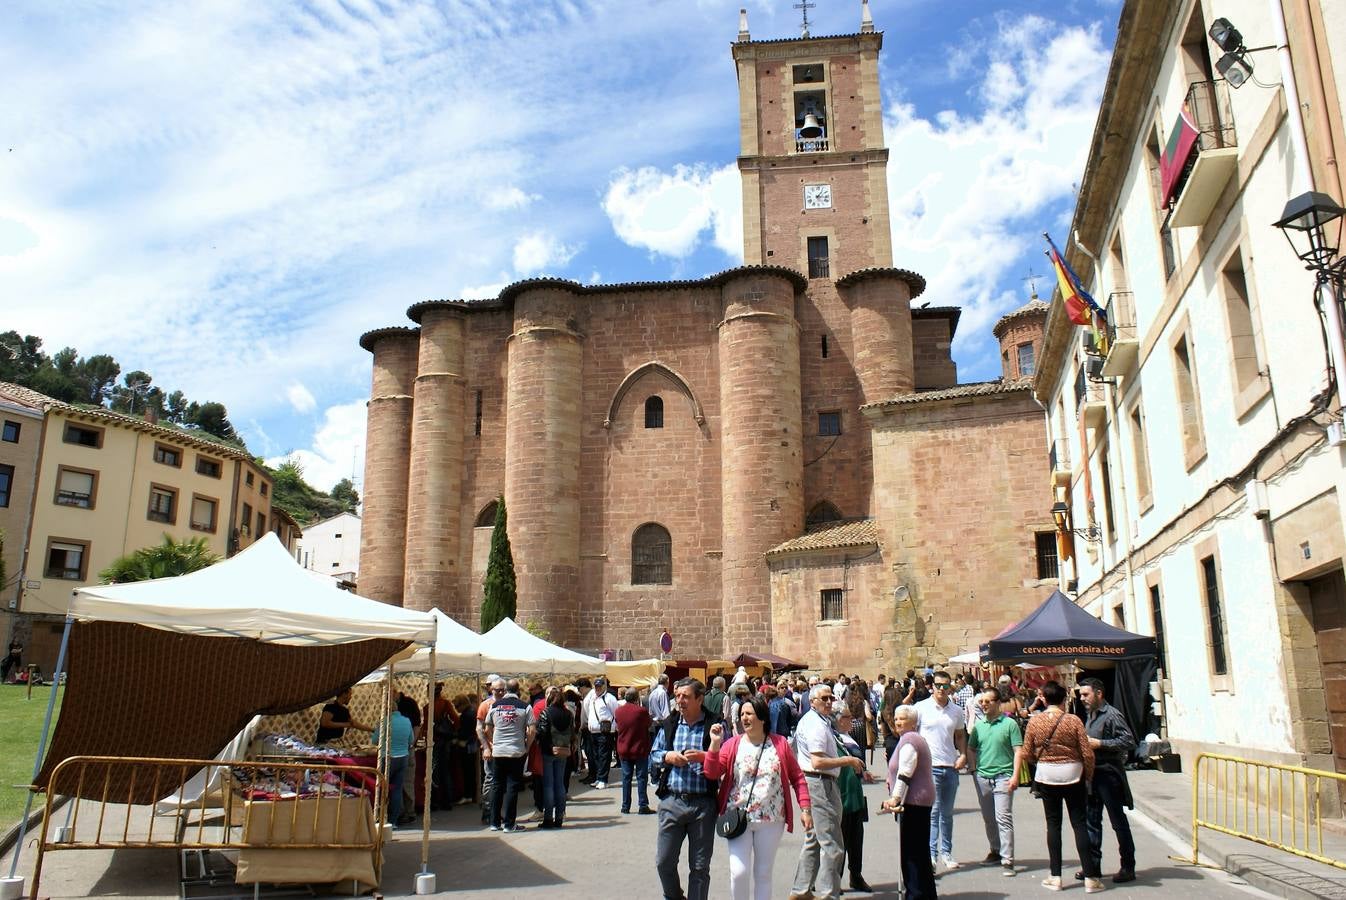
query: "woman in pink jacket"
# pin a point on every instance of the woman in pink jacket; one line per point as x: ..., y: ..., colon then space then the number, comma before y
x: 754, y: 769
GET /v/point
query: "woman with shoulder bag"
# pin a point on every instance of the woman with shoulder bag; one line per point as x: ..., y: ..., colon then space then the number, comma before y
x: 756, y: 771
x: 1057, y: 742
x: 555, y: 743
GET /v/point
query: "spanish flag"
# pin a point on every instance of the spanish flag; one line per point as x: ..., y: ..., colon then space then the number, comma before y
x: 1080, y: 307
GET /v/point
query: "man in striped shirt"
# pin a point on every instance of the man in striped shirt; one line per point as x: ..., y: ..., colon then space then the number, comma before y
x: 687, y: 799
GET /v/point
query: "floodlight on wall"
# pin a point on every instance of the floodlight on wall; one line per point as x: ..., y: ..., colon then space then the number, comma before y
x: 1234, y: 67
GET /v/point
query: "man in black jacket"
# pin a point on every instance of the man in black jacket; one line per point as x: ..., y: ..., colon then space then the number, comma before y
x: 1113, y: 742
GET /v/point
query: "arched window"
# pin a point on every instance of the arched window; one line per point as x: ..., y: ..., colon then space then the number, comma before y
x: 651, y: 555
x: 486, y: 518
x: 654, y: 412
x: 822, y: 513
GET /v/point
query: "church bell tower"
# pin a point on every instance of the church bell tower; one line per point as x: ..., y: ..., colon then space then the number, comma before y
x: 813, y: 162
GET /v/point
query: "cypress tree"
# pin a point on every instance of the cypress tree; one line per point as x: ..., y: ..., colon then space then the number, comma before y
x: 501, y: 595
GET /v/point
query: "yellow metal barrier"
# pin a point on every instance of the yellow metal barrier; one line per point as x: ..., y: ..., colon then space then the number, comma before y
x: 1267, y: 803
x: 301, y: 807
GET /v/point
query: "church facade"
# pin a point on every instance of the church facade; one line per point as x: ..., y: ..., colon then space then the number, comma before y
x: 775, y: 458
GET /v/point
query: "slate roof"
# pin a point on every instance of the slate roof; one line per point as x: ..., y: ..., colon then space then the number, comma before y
x: 41, y: 401
x: 832, y: 536
x: 975, y: 389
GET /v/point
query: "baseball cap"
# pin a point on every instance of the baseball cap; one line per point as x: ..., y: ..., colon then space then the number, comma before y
x: 1004, y: 679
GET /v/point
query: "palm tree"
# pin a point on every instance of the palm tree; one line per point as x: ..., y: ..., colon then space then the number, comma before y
x: 163, y: 560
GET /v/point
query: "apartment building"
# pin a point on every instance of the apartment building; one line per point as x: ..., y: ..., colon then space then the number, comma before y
x: 90, y: 485
x: 332, y: 547
x: 1194, y: 447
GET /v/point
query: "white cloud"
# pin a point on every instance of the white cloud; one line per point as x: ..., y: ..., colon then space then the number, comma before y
x: 508, y: 198
x: 668, y: 213
x: 538, y: 251
x: 338, y: 448
x: 301, y: 398
x: 969, y: 193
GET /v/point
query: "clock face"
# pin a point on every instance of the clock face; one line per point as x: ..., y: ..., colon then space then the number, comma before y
x: 817, y: 196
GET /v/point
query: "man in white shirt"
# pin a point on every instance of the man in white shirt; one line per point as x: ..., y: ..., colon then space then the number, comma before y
x: 818, y: 874
x: 599, y: 714
x: 942, y: 723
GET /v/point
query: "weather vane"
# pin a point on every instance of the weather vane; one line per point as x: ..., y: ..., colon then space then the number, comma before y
x: 805, y: 6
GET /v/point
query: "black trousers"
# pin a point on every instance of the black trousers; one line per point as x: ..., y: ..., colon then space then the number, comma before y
x: 918, y: 873
x: 505, y: 795
x: 853, y: 839
x: 889, y: 745
x: 1076, y: 801
x: 1109, y: 792
x: 600, y: 757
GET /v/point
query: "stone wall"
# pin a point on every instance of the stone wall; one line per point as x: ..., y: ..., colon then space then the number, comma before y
x: 852, y: 644
x: 961, y: 489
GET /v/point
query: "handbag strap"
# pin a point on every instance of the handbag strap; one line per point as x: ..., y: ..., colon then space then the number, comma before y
x: 757, y: 767
x: 1051, y: 734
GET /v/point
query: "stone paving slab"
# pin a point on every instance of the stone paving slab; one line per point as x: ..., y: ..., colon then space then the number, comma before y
x: 601, y: 853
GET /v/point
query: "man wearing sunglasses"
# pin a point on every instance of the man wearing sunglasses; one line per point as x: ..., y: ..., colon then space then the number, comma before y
x: 943, y: 725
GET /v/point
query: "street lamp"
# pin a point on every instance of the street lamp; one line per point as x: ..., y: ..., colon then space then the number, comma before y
x: 1309, y: 216
x: 1061, y: 516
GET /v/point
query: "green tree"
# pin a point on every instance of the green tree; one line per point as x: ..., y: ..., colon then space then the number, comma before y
x: 97, y: 376
x: 175, y: 408
x: 501, y: 591
x: 344, y: 492
x: 212, y: 418
x: 20, y: 357
x: 164, y: 560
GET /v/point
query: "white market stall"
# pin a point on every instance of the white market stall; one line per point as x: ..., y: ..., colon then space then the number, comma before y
x: 510, y: 648
x: 183, y: 664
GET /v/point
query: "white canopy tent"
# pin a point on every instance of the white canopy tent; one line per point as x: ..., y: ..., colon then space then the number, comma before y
x: 457, y: 648
x: 260, y: 594
x: 508, y: 648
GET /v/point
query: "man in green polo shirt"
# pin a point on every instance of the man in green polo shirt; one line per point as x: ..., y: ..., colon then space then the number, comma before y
x: 995, y: 747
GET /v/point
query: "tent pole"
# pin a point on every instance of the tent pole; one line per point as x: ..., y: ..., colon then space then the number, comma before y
x: 42, y: 743
x: 425, y: 881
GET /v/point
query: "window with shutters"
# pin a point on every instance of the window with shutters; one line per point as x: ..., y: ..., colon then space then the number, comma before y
x: 829, y: 424
x: 209, y: 467
x: 67, y: 559
x: 651, y: 555
x: 205, y: 511
x: 168, y: 456
x: 76, y: 487
x: 163, y: 504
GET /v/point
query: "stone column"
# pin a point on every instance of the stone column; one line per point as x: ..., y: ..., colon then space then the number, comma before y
x: 880, y: 304
x: 383, y: 522
x: 542, y: 457
x: 434, y: 498
x: 762, y: 465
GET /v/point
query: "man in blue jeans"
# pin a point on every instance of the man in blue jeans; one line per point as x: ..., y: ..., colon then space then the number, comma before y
x: 942, y: 723
x: 633, y: 750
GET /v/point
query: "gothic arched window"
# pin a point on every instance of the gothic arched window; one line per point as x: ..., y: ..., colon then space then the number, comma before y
x: 651, y: 555
x: 486, y: 518
x: 654, y: 412
x: 822, y: 513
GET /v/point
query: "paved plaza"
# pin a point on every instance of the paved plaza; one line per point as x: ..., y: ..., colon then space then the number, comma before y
x: 602, y: 853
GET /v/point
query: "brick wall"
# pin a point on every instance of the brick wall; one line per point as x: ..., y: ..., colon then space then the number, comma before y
x: 387, y: 449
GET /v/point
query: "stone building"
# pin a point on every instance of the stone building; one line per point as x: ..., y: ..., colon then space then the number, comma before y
x: 759, y: 459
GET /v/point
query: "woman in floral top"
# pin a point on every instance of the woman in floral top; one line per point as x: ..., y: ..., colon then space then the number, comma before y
x: 754, y: 768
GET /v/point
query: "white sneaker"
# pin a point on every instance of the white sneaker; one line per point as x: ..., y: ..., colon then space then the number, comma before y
x: 600, y: 785
x: 1093, y: 885
x: 1052, y: 882
x: 949, y: 861
x: 1008, y: 870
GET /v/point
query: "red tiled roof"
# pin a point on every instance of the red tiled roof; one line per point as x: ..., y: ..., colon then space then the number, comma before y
x: 832, y: 536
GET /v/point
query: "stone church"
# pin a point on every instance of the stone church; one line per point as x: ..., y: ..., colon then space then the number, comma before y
x: 776, y: 458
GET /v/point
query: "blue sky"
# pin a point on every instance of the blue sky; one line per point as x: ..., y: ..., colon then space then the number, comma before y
x: 227, y: 194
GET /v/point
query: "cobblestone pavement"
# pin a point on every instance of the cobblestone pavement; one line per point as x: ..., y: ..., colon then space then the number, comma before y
x: 603, y: 854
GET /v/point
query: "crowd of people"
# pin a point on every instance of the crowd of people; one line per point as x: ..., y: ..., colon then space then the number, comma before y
x: 739, y: 756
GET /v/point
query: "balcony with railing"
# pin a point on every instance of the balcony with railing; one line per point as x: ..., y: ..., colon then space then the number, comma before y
x: 1207, y: 152
x: 819, y: 267
x: 812, y: 145
x: 1123, y: 343
x: 1093, y: 404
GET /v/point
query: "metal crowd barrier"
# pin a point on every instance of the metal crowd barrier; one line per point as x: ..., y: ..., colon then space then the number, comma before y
x: 1270, y: 804
x: 220, y: 819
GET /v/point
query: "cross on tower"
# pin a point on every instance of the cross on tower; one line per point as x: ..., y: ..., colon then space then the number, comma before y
x: 1032, y: 281
x: 805, y: 6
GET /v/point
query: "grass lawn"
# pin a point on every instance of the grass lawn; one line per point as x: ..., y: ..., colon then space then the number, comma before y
x: 20, y: 725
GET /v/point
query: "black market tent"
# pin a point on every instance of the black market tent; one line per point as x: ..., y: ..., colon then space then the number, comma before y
x: 1060, y: 631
